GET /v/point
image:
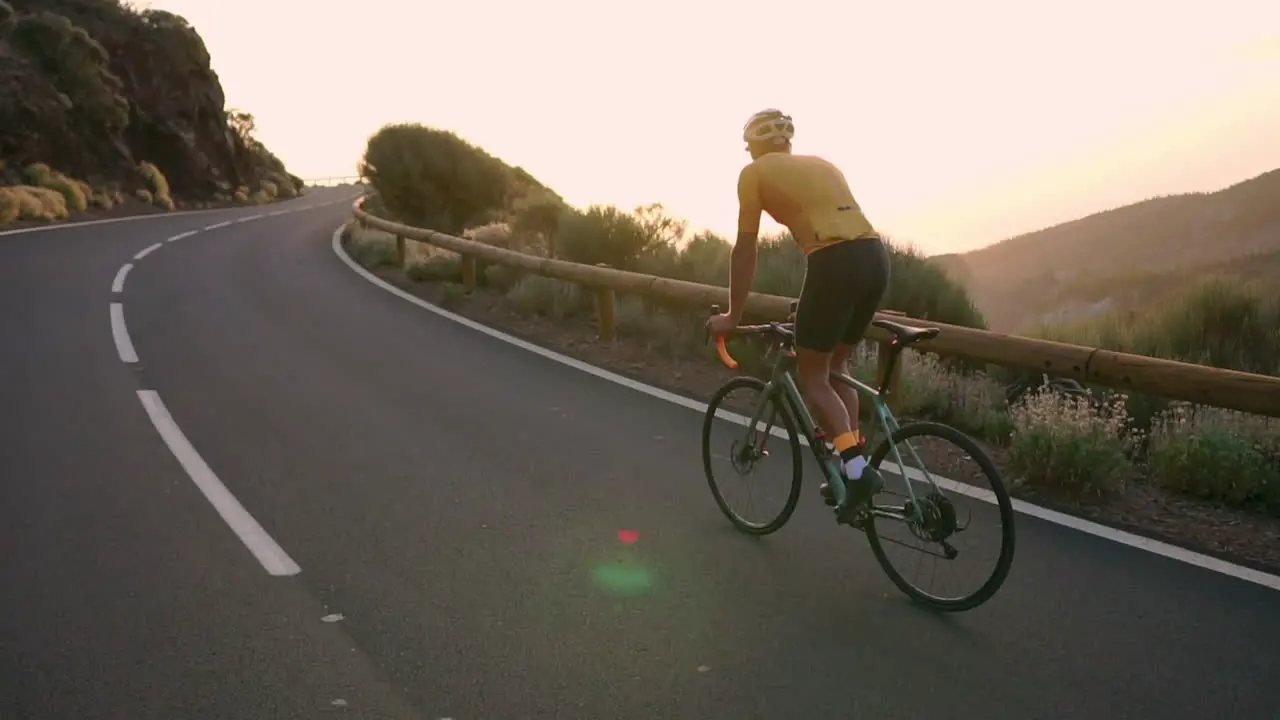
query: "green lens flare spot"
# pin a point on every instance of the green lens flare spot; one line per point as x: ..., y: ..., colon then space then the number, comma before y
x: 622, y: 578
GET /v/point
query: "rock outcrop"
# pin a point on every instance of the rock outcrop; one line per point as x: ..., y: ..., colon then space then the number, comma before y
x: 94, y: 89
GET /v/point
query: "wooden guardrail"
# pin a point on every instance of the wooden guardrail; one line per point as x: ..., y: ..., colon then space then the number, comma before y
x: 1247, y: 392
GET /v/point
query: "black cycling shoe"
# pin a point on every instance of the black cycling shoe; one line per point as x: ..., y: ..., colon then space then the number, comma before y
x: 859, y: 492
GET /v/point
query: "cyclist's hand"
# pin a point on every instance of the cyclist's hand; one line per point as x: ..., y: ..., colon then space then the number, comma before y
x: 720, y: 324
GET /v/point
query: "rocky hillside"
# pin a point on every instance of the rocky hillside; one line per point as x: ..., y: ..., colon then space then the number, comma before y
x: 104, y: 96
x: 1123, y: 258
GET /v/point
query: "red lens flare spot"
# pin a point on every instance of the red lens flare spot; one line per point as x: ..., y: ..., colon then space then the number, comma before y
x: 628, y: 536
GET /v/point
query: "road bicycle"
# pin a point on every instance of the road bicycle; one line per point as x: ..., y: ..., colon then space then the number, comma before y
x: 930, y: 515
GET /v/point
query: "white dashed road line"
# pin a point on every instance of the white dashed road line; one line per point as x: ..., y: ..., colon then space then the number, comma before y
x: 117, y: 285
x: 146, y: 251
x: 269, y: 553
x: 1155, y: 547
x: 264, y: 548
x: 124, y: 346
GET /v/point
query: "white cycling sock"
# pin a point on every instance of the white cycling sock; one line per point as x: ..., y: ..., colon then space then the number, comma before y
x: 853, y: 469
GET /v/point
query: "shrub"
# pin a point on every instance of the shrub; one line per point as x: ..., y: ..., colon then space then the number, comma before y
x: 608, y: 235
x: 144, y: 195
x: 163, y: 202
x: 435, y: 179
x: 70, y: 190
x: 555, y: 299
x: 1064, y: 442
x: 77, y: 63
x: 537, y: 217
x: 155, y: 180
x: 103, y: 200
x: 37, y: 203
x: 1220, y: 322
x: 437, y: 268
x: 973, y: 402
x: 1217, y: 454
x: 10, y: 207
x: 240, y: 196
x: 260, y: 197
x: 37, y: 174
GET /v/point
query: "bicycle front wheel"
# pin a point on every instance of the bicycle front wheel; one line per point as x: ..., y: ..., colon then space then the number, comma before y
x: 939, y: 519
x: 747, y: 448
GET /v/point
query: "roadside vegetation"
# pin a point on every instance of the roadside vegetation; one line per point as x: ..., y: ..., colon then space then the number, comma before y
x: 106, y: 108
x: 1098, y: 449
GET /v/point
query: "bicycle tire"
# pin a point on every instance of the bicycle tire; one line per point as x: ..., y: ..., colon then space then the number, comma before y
x: 797, y: 462
x: 1008, y: 536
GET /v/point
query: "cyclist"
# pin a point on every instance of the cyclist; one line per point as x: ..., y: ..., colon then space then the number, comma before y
x: 846, y: 276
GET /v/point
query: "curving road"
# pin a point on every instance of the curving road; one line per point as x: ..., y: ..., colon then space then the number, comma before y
x: 309, y: 498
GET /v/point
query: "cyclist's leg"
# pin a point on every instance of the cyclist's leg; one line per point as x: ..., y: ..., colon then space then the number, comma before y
x: 839, y: 362
x: 871, y: 260
x: 822, y: 316
x: 820, y: 319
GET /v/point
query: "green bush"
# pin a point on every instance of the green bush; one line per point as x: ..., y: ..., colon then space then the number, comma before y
x: 1063, y: 442
x: 434, y: 179
x: 1217, y: 454
x: 607, y: 235
x: 155, y: 180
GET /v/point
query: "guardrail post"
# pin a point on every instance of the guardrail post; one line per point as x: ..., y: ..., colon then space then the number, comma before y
x: 400, y: 251
x: 604, y: 311
x: 468, y: 273
x: 894, y: 400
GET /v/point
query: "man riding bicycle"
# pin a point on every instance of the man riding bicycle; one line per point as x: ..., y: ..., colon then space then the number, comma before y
x: 846, y: 277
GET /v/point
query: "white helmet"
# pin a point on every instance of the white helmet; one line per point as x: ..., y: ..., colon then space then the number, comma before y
x: 767, y: 125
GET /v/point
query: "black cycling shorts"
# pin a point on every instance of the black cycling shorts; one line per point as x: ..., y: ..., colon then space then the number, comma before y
x: 844, y: 285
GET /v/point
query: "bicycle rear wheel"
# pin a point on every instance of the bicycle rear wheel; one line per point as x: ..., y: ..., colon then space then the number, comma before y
x: 941, y: 508
x: 748, y: 446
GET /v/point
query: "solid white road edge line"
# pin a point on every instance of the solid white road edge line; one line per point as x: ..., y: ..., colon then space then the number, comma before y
x: 107, y: 221
x: 146, y: 251
x: 124, y: 346
x: 266, y: 550
x: 153, y: 216
x: 1173, y: 552
x: 117, y: 285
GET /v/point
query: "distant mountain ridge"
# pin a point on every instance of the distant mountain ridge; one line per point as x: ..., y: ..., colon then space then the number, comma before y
x: 1083, y: 267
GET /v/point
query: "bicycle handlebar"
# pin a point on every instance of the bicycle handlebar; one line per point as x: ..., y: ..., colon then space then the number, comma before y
x: 723, y: 351
x: 783, y: 329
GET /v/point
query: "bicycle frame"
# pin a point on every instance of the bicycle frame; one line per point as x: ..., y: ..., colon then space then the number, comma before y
x: 782, y: 382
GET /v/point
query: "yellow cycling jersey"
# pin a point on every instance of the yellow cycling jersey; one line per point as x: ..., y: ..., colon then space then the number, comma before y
x: 807, y: 194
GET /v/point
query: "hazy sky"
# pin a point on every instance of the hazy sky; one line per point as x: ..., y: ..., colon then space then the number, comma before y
x: 957, y: 124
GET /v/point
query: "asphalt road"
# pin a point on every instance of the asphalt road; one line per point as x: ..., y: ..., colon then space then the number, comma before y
x: 457, y: 501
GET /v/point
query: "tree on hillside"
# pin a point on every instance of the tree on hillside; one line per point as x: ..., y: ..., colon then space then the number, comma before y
x: 434, y: 179
x: 539, y: 216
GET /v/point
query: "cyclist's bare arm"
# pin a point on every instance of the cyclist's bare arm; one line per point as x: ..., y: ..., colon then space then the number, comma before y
x: 742, y: 261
